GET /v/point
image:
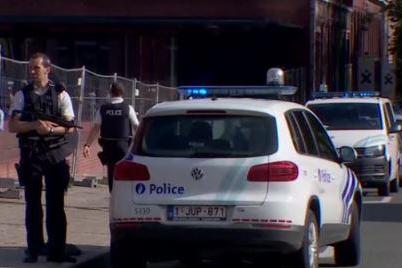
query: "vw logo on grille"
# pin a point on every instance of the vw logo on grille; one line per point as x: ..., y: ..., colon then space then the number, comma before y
x: 197, y: 174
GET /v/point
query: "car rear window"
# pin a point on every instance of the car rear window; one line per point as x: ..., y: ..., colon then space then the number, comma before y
x: 348, y: 116
x: 207, y: 136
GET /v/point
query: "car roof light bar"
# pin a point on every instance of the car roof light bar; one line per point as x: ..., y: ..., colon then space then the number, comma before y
x: 345, y: 94
x: 235, y: 91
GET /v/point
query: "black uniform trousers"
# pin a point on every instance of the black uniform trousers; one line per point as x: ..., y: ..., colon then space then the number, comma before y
x: 56, y: 176
x: 114, y: 151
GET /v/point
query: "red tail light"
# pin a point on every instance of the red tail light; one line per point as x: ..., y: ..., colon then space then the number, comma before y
x: 130, y: 171
x: 276, y: 171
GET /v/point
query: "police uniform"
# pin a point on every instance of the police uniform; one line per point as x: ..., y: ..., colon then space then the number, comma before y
x: 116, y: 120
x: 44, y: 156
x: 1, y: 120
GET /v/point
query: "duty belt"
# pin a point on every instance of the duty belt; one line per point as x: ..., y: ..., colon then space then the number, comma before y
x: 44, y: 144
x: 116, y: 139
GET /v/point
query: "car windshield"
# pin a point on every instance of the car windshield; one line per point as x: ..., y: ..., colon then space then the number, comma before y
x: 348, y: 116
x: 209, y: 136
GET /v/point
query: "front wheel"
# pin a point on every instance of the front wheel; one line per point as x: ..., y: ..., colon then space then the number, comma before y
x: 347, y: 253
x: 384, y: 189
x: 307, y: 256
x: 394, y: 185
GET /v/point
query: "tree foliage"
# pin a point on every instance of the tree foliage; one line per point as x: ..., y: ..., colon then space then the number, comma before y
x: 395, y: 17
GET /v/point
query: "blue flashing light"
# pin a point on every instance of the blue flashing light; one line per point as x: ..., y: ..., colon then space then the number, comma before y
x: 346, y: 94
x: 197, y: 92
x: 237, y: 91
x: 203, y: 91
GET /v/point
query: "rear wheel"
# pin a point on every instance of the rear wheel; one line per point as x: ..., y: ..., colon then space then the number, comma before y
x: 307, y: 256
x: 347, y: 253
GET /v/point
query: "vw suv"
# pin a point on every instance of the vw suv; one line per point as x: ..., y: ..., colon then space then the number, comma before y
x: 249, y: 176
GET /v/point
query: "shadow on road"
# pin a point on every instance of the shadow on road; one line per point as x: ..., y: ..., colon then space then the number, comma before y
x: 382, y: 212
x: 12, y: 257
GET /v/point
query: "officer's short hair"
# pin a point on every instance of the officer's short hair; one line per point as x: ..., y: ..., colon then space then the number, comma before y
x: 45, y: 59
x: 116, y: 89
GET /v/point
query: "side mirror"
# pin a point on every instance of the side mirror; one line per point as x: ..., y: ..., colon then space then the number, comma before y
x: 395, y: 128
x: 347, y: 154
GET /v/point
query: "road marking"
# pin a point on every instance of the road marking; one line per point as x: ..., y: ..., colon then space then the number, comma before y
x: 383, y: 200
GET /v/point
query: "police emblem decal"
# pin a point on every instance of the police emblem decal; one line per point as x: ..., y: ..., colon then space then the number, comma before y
x: 140, y: 188
x: 197, y: 174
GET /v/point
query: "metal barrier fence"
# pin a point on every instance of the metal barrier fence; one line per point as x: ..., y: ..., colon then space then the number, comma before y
x: 88, y: 91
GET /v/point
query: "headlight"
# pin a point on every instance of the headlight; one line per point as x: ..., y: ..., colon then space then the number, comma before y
x: 373, y: 151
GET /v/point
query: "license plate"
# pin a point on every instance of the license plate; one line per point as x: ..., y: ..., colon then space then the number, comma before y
x: 197, y: 213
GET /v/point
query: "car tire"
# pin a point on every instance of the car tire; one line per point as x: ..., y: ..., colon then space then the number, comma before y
x: 384, y: 189
x: 307, y: 255
x: 122, y: 255
x: 347, y: 253
x: 394, y: 185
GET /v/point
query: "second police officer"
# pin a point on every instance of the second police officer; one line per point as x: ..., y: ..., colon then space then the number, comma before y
x: 115, y: 122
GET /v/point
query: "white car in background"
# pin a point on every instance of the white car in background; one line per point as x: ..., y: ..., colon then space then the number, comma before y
x: 366, y: 123
x: 244, y: 176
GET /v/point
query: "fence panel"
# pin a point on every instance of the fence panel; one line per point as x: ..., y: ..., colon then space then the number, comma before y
x: 88, y: 91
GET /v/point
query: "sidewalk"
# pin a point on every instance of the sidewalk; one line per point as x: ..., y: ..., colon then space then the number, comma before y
x: 87, y: 212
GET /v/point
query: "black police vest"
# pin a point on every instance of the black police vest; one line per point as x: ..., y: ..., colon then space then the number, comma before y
x: 53, y: 148
x: 115, y: 121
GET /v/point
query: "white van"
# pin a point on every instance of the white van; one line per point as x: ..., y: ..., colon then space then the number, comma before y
x: 366, y: 123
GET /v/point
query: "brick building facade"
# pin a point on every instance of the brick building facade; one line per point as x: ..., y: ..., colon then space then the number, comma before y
x: 201, y: 41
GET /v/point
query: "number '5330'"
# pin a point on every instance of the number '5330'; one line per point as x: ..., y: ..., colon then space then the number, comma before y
x: 142, y: 211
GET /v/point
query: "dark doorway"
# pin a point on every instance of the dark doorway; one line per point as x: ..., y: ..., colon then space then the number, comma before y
x: 220, y: 56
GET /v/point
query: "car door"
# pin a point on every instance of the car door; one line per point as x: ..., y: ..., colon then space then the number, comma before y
x: 332, y: 176
x: 392, y: 139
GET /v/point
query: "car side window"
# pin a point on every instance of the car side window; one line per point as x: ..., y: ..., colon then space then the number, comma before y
x: 297, y: 137
x: 325, y: 146
x: 301, y: 122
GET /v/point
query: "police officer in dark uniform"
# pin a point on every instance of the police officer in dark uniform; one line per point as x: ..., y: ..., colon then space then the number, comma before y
x: 115, y: 121
x: 44, y: 145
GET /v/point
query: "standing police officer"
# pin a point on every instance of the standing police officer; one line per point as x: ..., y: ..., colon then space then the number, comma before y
x: 44, y: 145
x: 116, y: 121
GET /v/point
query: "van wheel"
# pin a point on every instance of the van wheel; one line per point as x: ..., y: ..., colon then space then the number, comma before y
x: 384, y: 189
x: 124, y: 256
x: 394, y: 185
x: 307, y: 256
x: 347, y: 253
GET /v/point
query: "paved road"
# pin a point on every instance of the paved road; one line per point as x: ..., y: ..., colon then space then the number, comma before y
x: 381, y: 238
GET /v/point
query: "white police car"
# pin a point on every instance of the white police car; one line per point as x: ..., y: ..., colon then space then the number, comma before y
x: 248, y: 176
x: 366, y: 122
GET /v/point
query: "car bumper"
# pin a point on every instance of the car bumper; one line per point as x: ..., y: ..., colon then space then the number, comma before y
x: 371, y: 171
x: 156, y: 239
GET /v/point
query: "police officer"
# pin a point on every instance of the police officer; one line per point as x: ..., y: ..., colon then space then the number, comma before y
x: 44, y: 146
x: 1, y: 120
x: 115, y: 121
